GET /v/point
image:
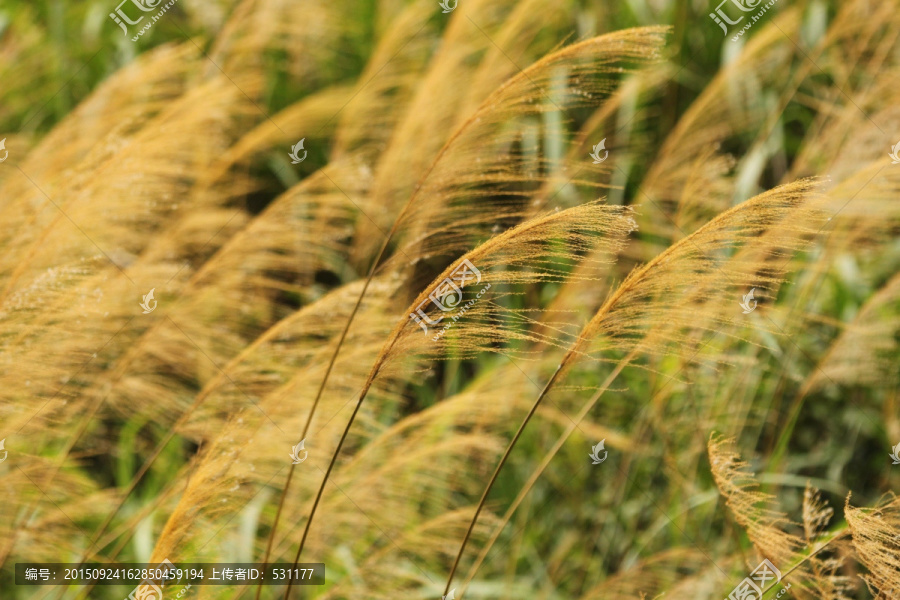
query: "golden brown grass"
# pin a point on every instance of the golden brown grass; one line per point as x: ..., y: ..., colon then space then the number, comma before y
x: 459, y: 461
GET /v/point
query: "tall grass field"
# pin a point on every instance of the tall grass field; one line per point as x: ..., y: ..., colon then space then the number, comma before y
x: 450, y: 299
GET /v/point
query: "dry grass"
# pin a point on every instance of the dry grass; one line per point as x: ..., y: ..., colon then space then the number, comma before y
x: 458, y: 459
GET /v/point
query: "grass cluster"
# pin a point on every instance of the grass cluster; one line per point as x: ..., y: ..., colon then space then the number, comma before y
x: 714, y: 294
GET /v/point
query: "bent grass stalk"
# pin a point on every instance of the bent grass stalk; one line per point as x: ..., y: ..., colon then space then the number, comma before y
x: 593, y: 326
x: 337, y: 349
x: 312, y: 410
x: 539, y: 471
x: 583, y: 337
x: 494, y: 244
x: 486, y: 106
